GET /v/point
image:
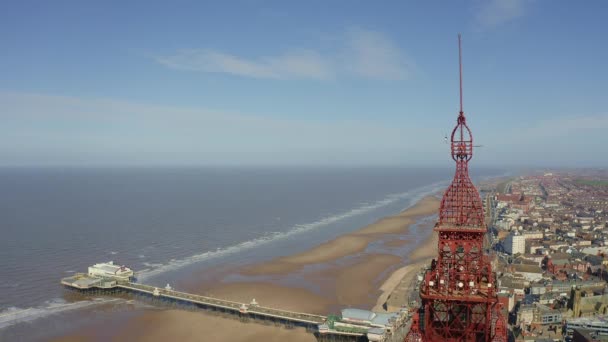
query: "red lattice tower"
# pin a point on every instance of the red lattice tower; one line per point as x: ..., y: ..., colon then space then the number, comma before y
x: 458, y: 293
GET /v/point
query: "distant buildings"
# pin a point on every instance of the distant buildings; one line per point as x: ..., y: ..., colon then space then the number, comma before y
x: 551, y: 234
x: 517, y: 201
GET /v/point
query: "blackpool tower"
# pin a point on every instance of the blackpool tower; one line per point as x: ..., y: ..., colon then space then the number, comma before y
x: 458, y: 292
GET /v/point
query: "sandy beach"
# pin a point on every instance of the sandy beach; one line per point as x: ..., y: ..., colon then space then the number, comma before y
x: 176, y: 325
x: 336, y: 274
x: 348, y: 244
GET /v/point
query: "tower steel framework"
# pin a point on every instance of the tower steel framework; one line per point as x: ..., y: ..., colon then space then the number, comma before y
x: 458, y: 292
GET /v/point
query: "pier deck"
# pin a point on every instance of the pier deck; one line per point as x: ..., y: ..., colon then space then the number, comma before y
x: 85, y: 283
x: 228, y: 305
x: 110, y: 279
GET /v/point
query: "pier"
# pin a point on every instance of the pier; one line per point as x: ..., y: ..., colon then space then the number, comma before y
x: 167, y: 295
x: 111, y: 279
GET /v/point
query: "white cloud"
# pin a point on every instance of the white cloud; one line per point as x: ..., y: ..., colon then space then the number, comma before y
x: 493, y: 13
x: 294, y: 64
x: 359, y: 53
x: 375, y: 56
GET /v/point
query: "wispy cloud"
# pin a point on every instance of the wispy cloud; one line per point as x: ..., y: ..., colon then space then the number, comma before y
x: 293, y: 64
x: 493, y: 13
x: 358, y: 53
x: 375, y: 56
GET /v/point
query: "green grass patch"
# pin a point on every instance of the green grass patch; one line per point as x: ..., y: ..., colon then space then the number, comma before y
x: 592, y: 182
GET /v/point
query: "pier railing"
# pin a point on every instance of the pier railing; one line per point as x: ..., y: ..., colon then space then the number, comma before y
x: 226, y: 304
x: 316, y: 324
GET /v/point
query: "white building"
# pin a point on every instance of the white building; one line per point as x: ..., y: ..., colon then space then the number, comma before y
x: 598, y: 324
x: 533, y: 235
x: 515, y: 243
x: 109, y: 270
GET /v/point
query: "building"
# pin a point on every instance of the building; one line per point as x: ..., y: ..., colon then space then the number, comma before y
x: 546, y: 315
x: 525, y: 314
x: 597, y: 325
x: 588, y: 304
x: 584, y: 335
x: 564, y: 287
x: 517, y: 201
x: 530, y: 272
x: 515, y: 243
x: 109, y: 270
x: 507, y: 299
x: 375, y: 334
x: 532, y: 235
x: 538, y: 289
x: 366, y: 317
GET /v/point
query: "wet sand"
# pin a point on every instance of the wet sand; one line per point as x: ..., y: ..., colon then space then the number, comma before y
x: 272, y: 295
x: 396, y: 243
x: 399, y: 284
x: 355, y: 285
x: 335, y: 249
x: 348, y: 244
x: 347, y: 276
x: 176, y: 325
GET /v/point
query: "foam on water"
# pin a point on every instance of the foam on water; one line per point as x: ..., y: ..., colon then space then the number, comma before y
x: 42, y: 285
x: 13, y: 315
x: 174, y: 264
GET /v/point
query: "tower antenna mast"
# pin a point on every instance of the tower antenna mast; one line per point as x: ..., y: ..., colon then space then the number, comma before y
x: 460, y: 71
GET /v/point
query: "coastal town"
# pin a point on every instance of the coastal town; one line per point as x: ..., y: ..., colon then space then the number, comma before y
x: 549, y: 234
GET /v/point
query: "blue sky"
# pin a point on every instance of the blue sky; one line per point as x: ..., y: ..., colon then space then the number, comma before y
x: 309, y: 82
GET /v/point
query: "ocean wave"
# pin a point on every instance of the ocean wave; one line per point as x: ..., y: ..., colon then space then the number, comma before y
x: 8, y: 285
x: 426, y: 191
x: 414, y: 196
x: 14, y: 315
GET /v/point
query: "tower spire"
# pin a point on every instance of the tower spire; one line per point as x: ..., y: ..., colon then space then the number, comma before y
x: 460, y: 72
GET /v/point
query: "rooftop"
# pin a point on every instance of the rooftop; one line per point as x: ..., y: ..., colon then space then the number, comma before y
x: 595, y: 320
x: 357, y: 314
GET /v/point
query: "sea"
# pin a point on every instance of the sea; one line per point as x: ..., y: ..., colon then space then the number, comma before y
x: 166, y: 223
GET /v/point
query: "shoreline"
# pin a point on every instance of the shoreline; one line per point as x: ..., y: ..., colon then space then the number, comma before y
x: 400, y: 282
x: 358, y: 269
x: 348, y: 244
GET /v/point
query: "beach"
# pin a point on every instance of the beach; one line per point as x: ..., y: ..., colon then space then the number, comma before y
x: 362, y: 269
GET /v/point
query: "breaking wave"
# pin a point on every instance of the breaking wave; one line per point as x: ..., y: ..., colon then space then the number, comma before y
x: 413, y: 196
x: 14, y: 315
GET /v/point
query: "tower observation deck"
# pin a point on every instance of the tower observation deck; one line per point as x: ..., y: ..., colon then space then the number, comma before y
x: 458, y: 292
